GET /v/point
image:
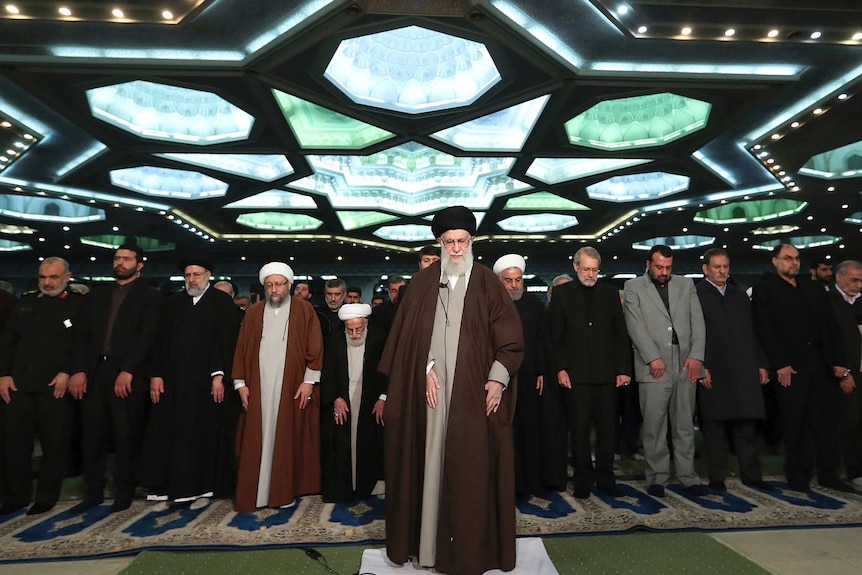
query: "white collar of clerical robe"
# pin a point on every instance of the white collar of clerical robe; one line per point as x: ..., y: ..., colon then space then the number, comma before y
x: 454, y: 279
x: 197, y: 298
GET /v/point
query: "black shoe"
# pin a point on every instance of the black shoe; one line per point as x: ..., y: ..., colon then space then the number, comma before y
x: 580, y: 493
x: 121, y: 505
x: 799, y: 486
x: 759, y: 484
x: 8, y: 508
x: 38, y: 508
x: 717, y: 485
x: 86, y: 505
x: 656, y: 490
x: 837, y: 485
x: 612, y: 491
x: 696, y: 489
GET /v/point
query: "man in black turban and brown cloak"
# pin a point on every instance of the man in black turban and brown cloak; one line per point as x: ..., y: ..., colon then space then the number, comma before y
x: 451, y: 358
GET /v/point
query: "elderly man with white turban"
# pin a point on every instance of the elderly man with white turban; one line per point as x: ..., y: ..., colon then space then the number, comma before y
x: 352, y: 397
x: 276, y: 366
x: 539, y: 425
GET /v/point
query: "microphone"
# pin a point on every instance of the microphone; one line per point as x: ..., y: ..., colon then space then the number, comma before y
x: 444, y: 285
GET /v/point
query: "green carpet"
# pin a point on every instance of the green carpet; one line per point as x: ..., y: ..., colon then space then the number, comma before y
x: 636, y: 553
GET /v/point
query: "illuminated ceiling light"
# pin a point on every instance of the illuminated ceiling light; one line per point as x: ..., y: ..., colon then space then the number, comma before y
x: 675, y: 242
x: 729, y: 32
x: 853, y: 219
x: 557, y: 170
x: 275, y: 199
x: 47, y: 210
x: 817, y: 111
x: 167, y: 182
x: 542, y: 201
x: 12, y: 9
x: 535, y: 223
x: 830, y: 189
x: 167, y: 15
x: 773, y: 33
x: 816, y: 35
x: 750, y: 211
x: 5, y: 124
x: 636, y: 187
x: 622, y: 10
x: 801, y: 242
x: 277, y: 221
x: 642, y: 29
x: 857, y: 36
x: 774, y: 230
x: 355, y: 220
x: 776, y: 136
x: 169, y: 113
x: 795, y: 125
x: 503, y: 131
x: 412, y: 70
x: 64, y: 11
x: 685, y: 31
x: 117, y: 13
x: 318, y: 127
x: 263, y: 167
x: 842, y: 96
x: 409, y: 179
x: 638, y: 122
x: 406, y: 233
x: 843, y: 162
x: 10, y: 246
x: 109, y: 241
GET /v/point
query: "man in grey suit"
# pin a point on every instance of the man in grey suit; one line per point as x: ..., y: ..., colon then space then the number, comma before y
x: 665, y: 323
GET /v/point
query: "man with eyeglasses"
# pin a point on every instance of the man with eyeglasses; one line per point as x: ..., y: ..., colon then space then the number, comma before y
x: 452, y: 358
x: 276, y: 366
x: 800, y: 336
x: 187, y: 454
x: 352, y: 398
x: 592, y: 356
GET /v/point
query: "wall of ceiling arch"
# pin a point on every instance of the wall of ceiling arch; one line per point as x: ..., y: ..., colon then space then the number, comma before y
x: 329, y: 133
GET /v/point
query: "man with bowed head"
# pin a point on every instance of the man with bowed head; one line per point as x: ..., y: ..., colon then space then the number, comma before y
x: 277, y: 363
x: 452, y: 358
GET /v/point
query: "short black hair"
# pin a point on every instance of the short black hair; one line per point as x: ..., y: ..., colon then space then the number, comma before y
x: 377, y: 295
x: 139, y: 252
x: 354, y: 289
x: 429, y: 251
x: 714, y: 252
x: 819, y: 262
x: 777, y: 249
x: 395, y: 280
x: 662, y: 250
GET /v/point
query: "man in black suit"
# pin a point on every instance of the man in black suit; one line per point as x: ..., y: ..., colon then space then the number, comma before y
x: 846, y: 302
x: 592, y: 352
x: 800, y: 336
x: 118, y: 327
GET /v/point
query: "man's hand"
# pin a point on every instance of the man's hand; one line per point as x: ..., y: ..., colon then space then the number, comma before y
x: 78, y: 384
x: 341, y: 410
x: 706, y: 382
x: 303, y: 394
x: 432, y: 384
x: 839, y: 371
x: 784, y: 375
x: 60, y: 383
x: 157, y: 388
x: 764, y: 375
x: 694, y: 367
x: 7, y: 384
x: 540, y: 384
x: 623, y: 380
x: 847, y: 384
x: 656, y: 368
x: 243, y: 396
x: 563, y: 379
x: 218, y: 388
x: 379, y: 405
x: 123, y: 385
x: 494, y: 396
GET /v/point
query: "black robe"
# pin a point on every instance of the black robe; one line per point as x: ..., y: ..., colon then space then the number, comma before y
x: 539, y: 424
x: 335, y: 439
x: 732, y: 357
x: 188, y: 445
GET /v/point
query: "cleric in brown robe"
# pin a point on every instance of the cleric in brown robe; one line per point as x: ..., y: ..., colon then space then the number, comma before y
x: 451, y: 357
x: 277, y: 362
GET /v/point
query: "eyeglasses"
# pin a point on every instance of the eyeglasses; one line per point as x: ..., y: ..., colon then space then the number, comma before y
x: 462, y: 242
x: 270, y: 285
x: 356, y: 330
x: 196, y: 275
x: 589, y: 270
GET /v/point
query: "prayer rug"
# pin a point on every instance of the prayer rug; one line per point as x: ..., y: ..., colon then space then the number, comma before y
x: 98, y: 533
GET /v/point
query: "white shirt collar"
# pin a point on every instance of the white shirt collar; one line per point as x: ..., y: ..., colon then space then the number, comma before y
x: 847, y: 298
x: 196, y: 299
x: 721, y: 290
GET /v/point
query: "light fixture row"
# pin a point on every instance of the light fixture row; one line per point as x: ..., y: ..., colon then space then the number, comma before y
x: 13, y: 10
x: 773, y: 34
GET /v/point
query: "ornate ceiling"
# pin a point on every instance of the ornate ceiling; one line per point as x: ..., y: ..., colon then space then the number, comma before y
x: 329, y: 132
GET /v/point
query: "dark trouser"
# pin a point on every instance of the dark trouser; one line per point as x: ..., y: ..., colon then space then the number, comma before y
x: 745, y: 444
x: 109, y: 420
x: 810, y: 421
x: 851, y: 430
x: 27, y: 414
x: 592, y: 405
x: 628, y: 420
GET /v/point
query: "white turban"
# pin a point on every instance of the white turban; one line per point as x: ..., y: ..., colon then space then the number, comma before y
x: 275, y: 268
x: 510, y: 261
x: 354, y: 310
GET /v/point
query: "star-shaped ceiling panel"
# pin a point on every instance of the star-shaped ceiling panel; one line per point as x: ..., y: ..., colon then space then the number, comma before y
x: 342, y: 127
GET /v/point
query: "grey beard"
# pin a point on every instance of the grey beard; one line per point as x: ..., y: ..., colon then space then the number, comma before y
x: 53, y: 293
x: 456, y: 268
x: 359, y: 342
x: 517, y: 294
x: 195, y: 292
x: 273, y: 301
x: 586, y: 282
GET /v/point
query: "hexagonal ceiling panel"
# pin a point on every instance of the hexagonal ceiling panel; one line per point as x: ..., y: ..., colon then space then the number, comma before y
x: 843, y: 162
x: 169, y: 183
x: 557, y: 170
x: 280, y: 222
x: 675, y: 242
x: 274, y: 199
x: 535, y: 223
x: 412, y: 70
x: 48, y: 210
x: 636, y: 187
x: 405, y: 233
x: 750, y: 211
x: 801, y: 242
x: 263, y: 167
x: 542, y: 201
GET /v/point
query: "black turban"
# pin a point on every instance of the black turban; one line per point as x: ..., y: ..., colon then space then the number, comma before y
x: 453, y: 218
x: 196, y: 259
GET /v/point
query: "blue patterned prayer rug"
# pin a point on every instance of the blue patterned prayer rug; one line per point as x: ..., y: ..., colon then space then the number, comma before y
x: 311, y: 522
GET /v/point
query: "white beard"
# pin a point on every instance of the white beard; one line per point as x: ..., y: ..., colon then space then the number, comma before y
x: 459, y: 267
x: 358, y: 342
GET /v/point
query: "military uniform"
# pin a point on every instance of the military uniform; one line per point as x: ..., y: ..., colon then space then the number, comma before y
x: 36, y: 345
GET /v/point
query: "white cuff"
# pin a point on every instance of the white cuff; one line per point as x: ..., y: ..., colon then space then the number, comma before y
x: 382, y: 396
x: 311, y: 376
x: 237, y: 383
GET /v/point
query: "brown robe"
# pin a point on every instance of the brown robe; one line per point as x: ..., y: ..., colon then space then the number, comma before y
x: 296, y: 457
x: 476, y: 527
